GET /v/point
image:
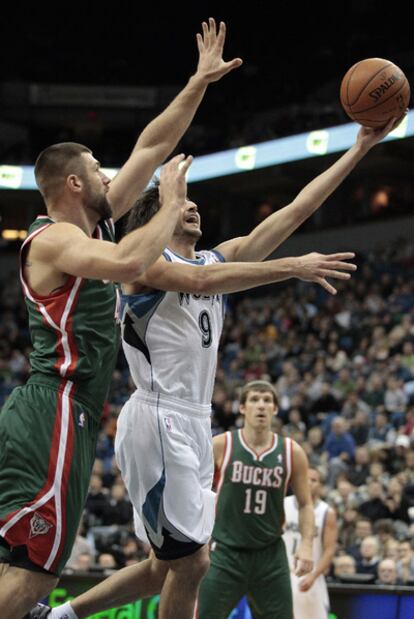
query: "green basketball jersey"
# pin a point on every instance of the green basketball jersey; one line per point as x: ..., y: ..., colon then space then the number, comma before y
x: 73, y: 330
x: 250, y: 492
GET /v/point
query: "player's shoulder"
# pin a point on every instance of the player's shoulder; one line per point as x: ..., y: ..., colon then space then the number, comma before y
x: 220, y: 443
x: 221, y: 439
x: 53, y: 237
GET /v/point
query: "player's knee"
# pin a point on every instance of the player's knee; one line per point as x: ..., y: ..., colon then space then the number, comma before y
x: 201, y: 563
x: 193, y: 567
x: 159, y: 570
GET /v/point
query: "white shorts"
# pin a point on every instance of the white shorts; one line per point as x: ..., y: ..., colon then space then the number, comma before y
x: 166, y: 461
x: 312, y: 604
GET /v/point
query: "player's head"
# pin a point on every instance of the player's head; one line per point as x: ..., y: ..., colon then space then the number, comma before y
x: 258, y: 404
x: 315, y: 481
x: 71, y: 168
x: 148, y: 205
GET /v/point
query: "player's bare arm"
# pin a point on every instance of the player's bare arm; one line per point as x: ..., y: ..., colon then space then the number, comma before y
x: 300, y: 487
x: 219, y: 446
x: 225, y: 278
x: 276, y: 228
x: 161, y: 136
x: 330, y: 536
x: 65, y: 249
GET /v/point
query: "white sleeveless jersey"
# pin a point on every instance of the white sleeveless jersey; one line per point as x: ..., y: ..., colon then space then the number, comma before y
x: 170, y: 339
x: 313, y: 604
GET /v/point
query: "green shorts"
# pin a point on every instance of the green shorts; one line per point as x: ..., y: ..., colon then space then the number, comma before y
x: 262, y: 575
x: 47, y: 450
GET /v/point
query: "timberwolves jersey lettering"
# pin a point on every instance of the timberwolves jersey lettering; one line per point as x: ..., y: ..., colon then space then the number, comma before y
x: 170, y: 339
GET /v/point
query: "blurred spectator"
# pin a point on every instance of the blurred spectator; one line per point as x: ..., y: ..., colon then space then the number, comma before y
x: 375, y: 508
x: 369, y: 560
x: 358, y: 473
x: 405, y: 561
x: 83, y: 563
x: 340, y: 446
x: 363, y: 529
x: 387, y: 573
x: 344, y: 565
x: 117, y: 508
x: 107, y: 561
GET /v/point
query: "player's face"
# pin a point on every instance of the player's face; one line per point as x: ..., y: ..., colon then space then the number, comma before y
x: 189, y: 224
x: 314, y: 483
x: 259, y: 409
x: 96, y: 187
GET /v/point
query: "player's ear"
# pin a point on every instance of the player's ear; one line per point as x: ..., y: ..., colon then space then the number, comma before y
x: 74, y: 183
x: 242, y: 409
x: 276, y: 411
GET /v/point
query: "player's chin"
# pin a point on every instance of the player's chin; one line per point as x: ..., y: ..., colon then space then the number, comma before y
x: 193, y: 231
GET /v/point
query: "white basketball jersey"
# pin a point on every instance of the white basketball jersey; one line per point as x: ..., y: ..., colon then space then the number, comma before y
x: 313, y: 604
x: 170, y: 339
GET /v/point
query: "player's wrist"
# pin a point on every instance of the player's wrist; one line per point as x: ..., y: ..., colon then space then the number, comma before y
x: 199, y: 80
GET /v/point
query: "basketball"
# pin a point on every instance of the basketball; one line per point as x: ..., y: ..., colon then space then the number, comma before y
x: 373, y: 91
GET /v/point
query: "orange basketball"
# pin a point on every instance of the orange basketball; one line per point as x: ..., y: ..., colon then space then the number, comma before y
x: 373, y: 91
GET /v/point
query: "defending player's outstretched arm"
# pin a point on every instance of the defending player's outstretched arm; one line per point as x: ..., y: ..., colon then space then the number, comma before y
x: 222, y: 278
x: 161, y: 136
x: 67, y: 248
x: 276, y: 228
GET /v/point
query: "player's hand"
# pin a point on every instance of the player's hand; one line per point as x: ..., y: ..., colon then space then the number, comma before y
x: 173, y: 182
x: 306, y: 583
x: 317, y: 268
x: 368, y: 136
x: 211, y: 66
x: 303, y: 560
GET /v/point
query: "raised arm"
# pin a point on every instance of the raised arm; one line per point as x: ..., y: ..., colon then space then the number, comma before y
x: 276, y: 228
x: 230, y: 277
x: 65, y: 248
x: 161, y: 136
x: 329, y: 539
x: 300, y: 487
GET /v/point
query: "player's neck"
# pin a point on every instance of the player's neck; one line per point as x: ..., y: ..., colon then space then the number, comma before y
x: 72, y: 214
x: 258, y: 439
x: 183, y: 248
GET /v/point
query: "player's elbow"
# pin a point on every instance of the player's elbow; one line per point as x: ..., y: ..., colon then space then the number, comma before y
x: 131, y: 269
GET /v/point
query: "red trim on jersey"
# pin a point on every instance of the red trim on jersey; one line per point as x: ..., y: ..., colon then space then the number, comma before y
x: 52, y: 307
x: 256, y: 453
x: 64, y: 484
x: 67, y: 285
x: 228, y: 450
x: 286, y: 450
x: 71, y: 338
x: 28, y: 517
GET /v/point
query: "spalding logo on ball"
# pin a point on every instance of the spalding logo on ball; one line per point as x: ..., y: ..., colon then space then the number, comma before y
x: 373, y: 91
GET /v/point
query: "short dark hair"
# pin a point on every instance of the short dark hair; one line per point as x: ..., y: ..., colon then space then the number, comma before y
x: 55, y: 163
x: 258, y: 385
x: 144, y: 209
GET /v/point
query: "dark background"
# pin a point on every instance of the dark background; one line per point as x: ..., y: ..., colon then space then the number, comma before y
x: 295, y: 55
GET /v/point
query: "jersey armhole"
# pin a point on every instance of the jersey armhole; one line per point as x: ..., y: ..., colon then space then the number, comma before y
x: 218, y: 254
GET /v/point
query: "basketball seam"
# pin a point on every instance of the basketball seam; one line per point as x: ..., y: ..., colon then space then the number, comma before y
x: 366, y: 84
x: 367, y: 109
x: 347, y: 83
